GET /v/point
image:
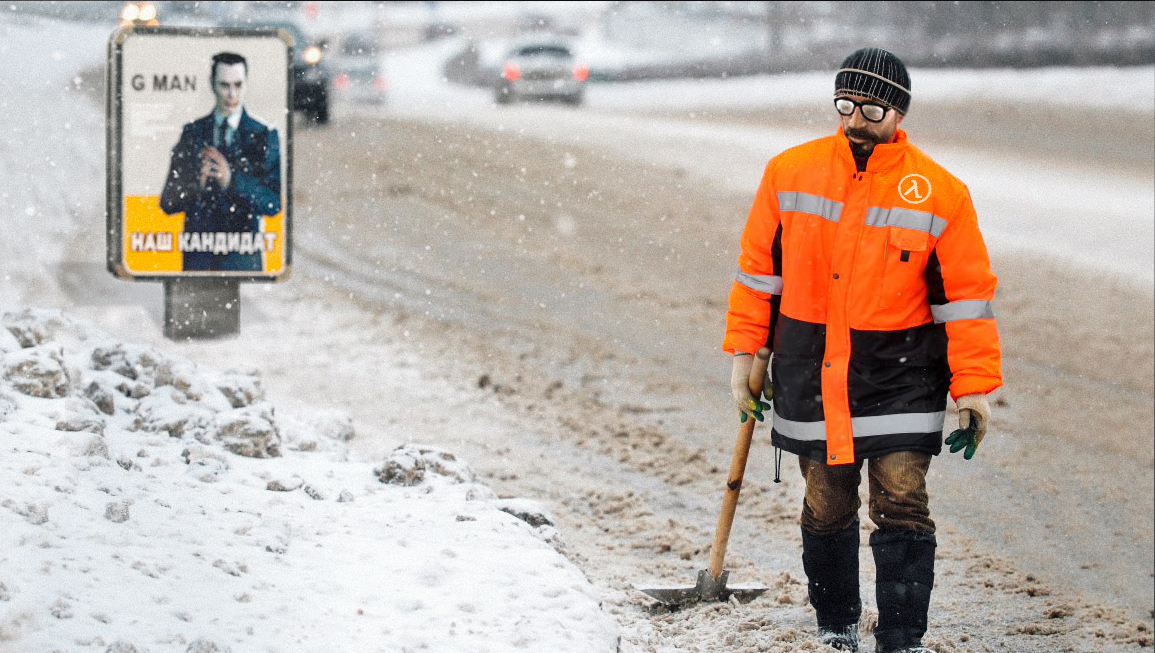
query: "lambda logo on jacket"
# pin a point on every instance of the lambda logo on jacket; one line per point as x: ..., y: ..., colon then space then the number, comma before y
x: 915, y: 189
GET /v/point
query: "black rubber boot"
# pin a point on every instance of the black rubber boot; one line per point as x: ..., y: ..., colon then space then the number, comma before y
x: 831, y: 565
x: 904, y: 562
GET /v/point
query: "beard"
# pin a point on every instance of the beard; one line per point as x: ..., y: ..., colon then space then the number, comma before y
x: 864, y: 145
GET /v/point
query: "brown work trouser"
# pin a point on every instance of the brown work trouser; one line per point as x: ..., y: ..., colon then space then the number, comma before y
x: 898, y: 497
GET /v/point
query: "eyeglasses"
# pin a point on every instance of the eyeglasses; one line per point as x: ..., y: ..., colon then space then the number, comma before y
x: 872, y: 112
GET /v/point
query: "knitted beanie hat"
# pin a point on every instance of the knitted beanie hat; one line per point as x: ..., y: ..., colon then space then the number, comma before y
x: 875, y: 73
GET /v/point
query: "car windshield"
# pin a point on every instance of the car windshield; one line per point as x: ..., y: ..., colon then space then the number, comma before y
x: 359, y: 45
x: 544, y: 51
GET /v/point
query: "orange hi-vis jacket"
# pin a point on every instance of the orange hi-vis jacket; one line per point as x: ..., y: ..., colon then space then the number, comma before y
x: 874, y: 292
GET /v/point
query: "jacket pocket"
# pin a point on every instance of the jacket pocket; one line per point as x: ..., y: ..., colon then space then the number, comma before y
x: 904, y: 266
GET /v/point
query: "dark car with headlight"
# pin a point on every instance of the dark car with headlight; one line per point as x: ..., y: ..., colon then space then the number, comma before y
x: 312, y: 76
x: 541, y: 68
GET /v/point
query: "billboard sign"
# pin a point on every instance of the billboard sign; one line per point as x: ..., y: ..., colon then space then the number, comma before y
x: 199, y: 153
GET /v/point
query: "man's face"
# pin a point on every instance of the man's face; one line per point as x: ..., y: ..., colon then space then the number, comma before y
x: 229, y: 87
x: 863, y: 134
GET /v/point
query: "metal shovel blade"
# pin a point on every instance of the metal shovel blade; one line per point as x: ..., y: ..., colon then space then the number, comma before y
x: 707, y: 589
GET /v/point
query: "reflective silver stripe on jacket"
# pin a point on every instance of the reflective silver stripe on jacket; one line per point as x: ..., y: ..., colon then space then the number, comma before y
x: 807, y: 203
x: 761, y: 282
x: 963, y: 309
x: 864, y: 427
x: 876, y: 216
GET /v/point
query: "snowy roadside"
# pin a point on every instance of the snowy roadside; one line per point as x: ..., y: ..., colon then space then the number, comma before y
x: 53, y: 153
x: 152, y: 505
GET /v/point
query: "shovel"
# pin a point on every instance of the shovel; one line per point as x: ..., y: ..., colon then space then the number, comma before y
x: 712, y: 585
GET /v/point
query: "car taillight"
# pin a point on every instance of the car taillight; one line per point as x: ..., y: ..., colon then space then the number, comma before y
x: 341, y: 82
x: 581, y: 73
x: 511, y: 71
x: 380, y: 83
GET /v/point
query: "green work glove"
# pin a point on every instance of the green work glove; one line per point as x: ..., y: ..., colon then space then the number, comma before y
x: 963, y: 438
x: 748, y: 405
x: 974, y: 413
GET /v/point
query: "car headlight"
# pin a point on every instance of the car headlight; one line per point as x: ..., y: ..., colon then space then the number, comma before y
x: 139, y: 13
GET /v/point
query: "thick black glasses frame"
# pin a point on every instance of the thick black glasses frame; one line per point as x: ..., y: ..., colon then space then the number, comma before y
x: 860, y: 105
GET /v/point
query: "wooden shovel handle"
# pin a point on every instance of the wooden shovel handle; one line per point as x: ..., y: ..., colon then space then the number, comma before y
x: 737, y: 468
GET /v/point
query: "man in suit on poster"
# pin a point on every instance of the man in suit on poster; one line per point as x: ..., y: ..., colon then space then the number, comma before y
x: 225, y: 176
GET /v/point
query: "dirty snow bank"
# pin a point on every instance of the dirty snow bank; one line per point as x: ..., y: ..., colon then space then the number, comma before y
x: 151, y: 505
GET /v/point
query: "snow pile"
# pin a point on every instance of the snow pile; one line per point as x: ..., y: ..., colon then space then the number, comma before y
x: 151, y: 505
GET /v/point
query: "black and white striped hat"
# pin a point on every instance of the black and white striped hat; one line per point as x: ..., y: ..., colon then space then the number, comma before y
x: 875, y: 73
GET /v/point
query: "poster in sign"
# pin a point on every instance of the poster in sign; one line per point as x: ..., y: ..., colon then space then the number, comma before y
x: 199, y: 153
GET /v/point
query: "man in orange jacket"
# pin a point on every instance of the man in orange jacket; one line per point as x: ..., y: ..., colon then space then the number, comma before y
x: 863, y: 269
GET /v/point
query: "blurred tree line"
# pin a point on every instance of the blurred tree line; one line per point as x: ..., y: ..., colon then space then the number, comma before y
x: 776, y: 36
x: 987, y: 33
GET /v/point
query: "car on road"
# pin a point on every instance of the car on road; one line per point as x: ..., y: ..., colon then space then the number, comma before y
x: 439, y: 30
x: 312, y: 76
x: 358, y: 68
x: 541, y: 68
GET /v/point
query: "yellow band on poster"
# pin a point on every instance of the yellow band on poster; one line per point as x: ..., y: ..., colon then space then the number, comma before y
x: 153, y: 239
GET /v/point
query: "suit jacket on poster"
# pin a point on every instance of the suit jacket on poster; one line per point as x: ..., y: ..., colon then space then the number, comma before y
x: 255, y: 190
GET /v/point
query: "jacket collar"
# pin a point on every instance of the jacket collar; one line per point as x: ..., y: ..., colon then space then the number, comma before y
x: 244, y: 123
x: 233, y: 119
x: 885, y: 155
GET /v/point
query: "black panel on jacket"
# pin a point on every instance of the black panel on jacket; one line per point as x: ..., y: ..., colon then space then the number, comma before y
x: 891, y: 372
x: 775, y: 300
x: 902, y: 371
x: 798, y: 350
x: 936, y: 293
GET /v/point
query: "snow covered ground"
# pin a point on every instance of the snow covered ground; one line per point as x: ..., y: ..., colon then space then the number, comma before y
x: 151, y: 505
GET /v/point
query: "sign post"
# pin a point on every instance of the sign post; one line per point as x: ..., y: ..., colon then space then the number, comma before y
x: 200, y: 167
x: 201, y: 308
